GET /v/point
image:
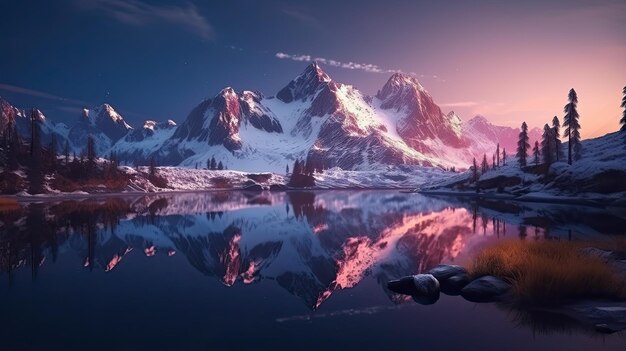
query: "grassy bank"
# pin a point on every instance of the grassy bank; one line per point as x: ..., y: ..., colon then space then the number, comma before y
x: 552, y: 272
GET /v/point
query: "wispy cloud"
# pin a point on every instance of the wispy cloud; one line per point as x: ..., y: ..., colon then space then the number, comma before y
x: 459, y: 104
x: 138, y: 13
x: 66, y: 104
x: 40, y: 94
x: 367, y: 67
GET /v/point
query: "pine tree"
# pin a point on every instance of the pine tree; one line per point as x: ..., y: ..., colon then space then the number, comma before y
x: 35, y: 171
x: 13, y: 147
x: 474, y: 170
x: 220, y: 166
x: 536, y: 152
x: 623, y: 120
x: 556, y: 130
x: 547, y: 141
x: 35, y: 140
x: 572, y: 127
x: 484, y: 167
x: 498, y: 154
x: 297, y: 167
x: 523, y: 145
x: 91, y: 150
x: 52, y: 152
x: 152, y: 168
x: 504, y: 157
x: 213, y: 164
x: 287, y: 169
x: 309, y: 167
x: 493, y: 164
x: 66, y: 152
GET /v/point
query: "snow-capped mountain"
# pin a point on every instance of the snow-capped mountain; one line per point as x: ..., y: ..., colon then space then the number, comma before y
x: 139, y: 143
x: 313, y: 117
x: 103, y: 124
x: 316, y: 118
x: 21, y: 119
x: 484, y: 134
x: 301, y: 241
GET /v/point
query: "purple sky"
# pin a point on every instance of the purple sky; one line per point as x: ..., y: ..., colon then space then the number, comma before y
x: 510, y: 61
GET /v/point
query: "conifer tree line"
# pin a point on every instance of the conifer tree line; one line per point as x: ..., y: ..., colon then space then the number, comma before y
x: 302, y: 172
x: 550, y: 149
x: 39, y: 161
x: 213, y: 165
x: 623, y: 120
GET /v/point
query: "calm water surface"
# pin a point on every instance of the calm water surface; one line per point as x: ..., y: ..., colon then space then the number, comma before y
x: 270, y: 271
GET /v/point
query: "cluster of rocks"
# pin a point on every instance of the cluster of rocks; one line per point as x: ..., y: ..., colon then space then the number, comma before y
x: 604, y: 316
x: 450, y: 280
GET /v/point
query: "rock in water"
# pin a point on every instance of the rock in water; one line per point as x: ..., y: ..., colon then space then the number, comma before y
x: 485, y: 289
x: 427, y: 289
x: 404, y: 285
x: 604, y: 328
x: 424, y: 288
x: 454, y: 284
x: 452, y: 278
x: 446, y: 271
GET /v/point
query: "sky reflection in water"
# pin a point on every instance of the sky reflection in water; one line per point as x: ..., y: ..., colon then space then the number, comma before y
x: 231, y: 270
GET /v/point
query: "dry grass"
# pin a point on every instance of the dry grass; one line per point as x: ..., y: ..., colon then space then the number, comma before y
x: 548, y: 272
x: 8, y: 204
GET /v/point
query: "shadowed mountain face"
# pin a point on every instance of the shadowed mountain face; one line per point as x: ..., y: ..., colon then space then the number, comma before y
x: 310, y: 244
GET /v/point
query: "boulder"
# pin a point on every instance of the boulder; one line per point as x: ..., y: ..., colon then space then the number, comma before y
x: 278, y: 187
x: 454, y: 284
x: 605, y: 328
x: 404, y: 285
x: 252, y: 187
x: 445, y: 271
x: 452, y: 278
x: 427, y: 289
x: 485, y: 289
x: 424, y: 288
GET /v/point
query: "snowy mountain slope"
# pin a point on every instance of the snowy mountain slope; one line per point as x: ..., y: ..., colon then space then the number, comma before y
x: 103, y: 124
x: 140, y: 143
x: 313, y: 117
x: 330, y: 124
x: 484, y: 134
x: 598, y: 177
x: 11, y: 115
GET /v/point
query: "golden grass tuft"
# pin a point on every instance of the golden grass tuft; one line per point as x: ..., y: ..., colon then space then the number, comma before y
x: 549, y: 272
x: 8, y: 204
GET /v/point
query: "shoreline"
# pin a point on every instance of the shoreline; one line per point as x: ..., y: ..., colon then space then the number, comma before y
x: 525, y: 198
x: 81, y: 196
x: 598, y: 202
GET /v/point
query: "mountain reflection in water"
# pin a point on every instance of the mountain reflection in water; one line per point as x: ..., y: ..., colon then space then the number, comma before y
x: 311, y: 244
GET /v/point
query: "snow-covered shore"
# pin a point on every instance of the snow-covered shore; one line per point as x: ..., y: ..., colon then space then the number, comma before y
x: 598, y: 178
x: 180, y: 179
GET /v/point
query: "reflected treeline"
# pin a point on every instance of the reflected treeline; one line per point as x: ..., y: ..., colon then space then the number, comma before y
x: 311, y: 244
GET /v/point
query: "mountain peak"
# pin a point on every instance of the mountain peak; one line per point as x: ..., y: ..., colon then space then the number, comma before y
x: 304, y: 85
x: 478, y: 119
x: 315, y: 69
x: 104, y: 112
x: 227, y: 91
x: 401, y: 79
x: 399, y: 85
